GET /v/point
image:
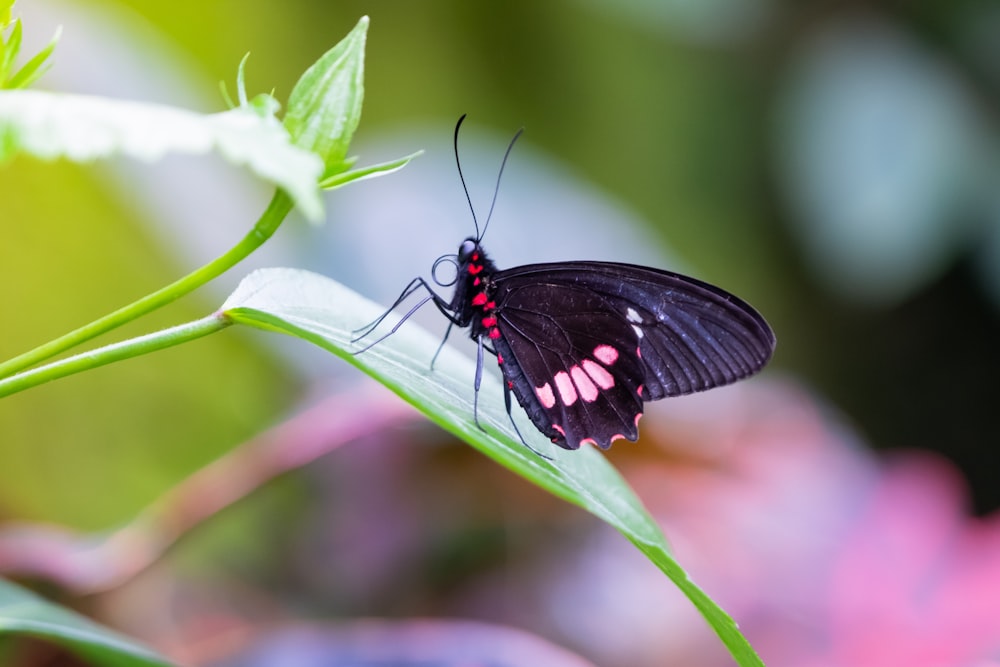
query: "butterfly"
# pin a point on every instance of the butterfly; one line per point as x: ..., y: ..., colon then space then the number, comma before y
x: 584, y: 345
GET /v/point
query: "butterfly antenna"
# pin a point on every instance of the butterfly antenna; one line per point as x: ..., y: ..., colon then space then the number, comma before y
x: 461, y: 177
x: 496, y: 190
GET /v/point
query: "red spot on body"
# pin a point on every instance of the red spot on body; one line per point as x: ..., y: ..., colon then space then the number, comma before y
x: 489, y: 322
x: 475, y: 256
x: 499, y: 358
x: 479, y: 299
x: 474, y: 268
x: 490, y: 306
x: 510, y: 385
x: 476, y: 281
x: 494, y: 333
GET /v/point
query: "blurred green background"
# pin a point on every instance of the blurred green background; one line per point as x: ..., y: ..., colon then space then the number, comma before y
x: 834, y: 164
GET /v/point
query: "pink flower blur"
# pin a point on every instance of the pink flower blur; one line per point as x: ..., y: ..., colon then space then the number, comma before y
x: 826, y: 554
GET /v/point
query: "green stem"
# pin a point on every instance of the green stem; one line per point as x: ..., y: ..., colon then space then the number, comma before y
x: 269, y: 221
x: 125, y: 349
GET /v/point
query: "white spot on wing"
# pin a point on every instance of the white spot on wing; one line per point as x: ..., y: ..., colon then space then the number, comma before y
x: 567, y: 392
x: 633, y: 316
x: 597, y: 373
x: 586, y: 387
x: 638, y: 331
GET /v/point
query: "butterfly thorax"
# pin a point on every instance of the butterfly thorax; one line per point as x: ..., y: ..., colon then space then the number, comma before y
x: 473, y: 303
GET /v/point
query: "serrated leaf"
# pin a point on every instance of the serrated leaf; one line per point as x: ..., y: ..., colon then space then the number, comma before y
x: 83, y: 128
x: 24, y: 613
x: 324, y: 108
x: 319, y: 310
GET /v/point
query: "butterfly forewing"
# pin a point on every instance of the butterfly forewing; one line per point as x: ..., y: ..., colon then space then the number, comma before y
x: 588, y: 342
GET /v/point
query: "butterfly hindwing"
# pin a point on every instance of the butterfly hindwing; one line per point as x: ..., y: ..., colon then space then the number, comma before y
x: 585, y: 343
x: 581, y: 374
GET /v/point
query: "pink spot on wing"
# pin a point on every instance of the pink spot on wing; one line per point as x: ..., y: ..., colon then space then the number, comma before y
x: 606, y: 354
x: 637, y: 418
x: 584, y: 385
x: 618, y: 436
x: 591, y: 441
x: 638, y: 352
x: 545, y: 395
x: 558, y: 428
x: 597, y: 373
x: 567, y: 392
x: 640, y: 390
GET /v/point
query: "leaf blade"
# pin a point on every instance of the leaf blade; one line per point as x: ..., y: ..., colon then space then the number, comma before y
x: 82, y: 128
x: 22, y: 612
x: 325, y: 313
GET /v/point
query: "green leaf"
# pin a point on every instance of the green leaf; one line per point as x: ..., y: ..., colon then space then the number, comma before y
x: 11, y: 47
x: 34, y: 68
x: 23, y: 612
x: 326, y: 313
x: 5, y: 7
x: 82, y: 128
x: 324, y: 108
x: 363, y: 173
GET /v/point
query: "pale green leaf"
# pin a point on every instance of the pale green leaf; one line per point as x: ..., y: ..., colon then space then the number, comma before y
x: 82, y: 128
x: 24, y: 613
x: 326, y: 313
x: 38, y: 65
x: 324, y: 108
x: 364, y: 173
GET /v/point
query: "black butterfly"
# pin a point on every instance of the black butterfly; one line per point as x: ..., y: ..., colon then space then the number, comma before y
x: 583, y: 345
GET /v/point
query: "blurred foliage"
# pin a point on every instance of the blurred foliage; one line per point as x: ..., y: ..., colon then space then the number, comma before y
x: 91, y: 450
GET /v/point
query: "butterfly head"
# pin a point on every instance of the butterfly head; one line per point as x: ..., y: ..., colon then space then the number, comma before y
x: 468, y: 250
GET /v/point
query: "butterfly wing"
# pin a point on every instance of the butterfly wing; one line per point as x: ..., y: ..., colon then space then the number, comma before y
x: 584, y: 344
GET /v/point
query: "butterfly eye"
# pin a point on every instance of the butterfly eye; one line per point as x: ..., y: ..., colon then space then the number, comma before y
x: 466, y: 249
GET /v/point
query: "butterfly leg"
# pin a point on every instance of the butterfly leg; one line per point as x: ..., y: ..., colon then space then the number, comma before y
x: 414, y: 285
x: 441, y: 346
x: 510, y: 415
x: 478, y: 383
x: 407, y: 291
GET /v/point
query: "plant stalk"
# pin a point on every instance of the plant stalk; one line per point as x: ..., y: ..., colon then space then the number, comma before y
x: 108, y: 354
x: 265, y: 227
